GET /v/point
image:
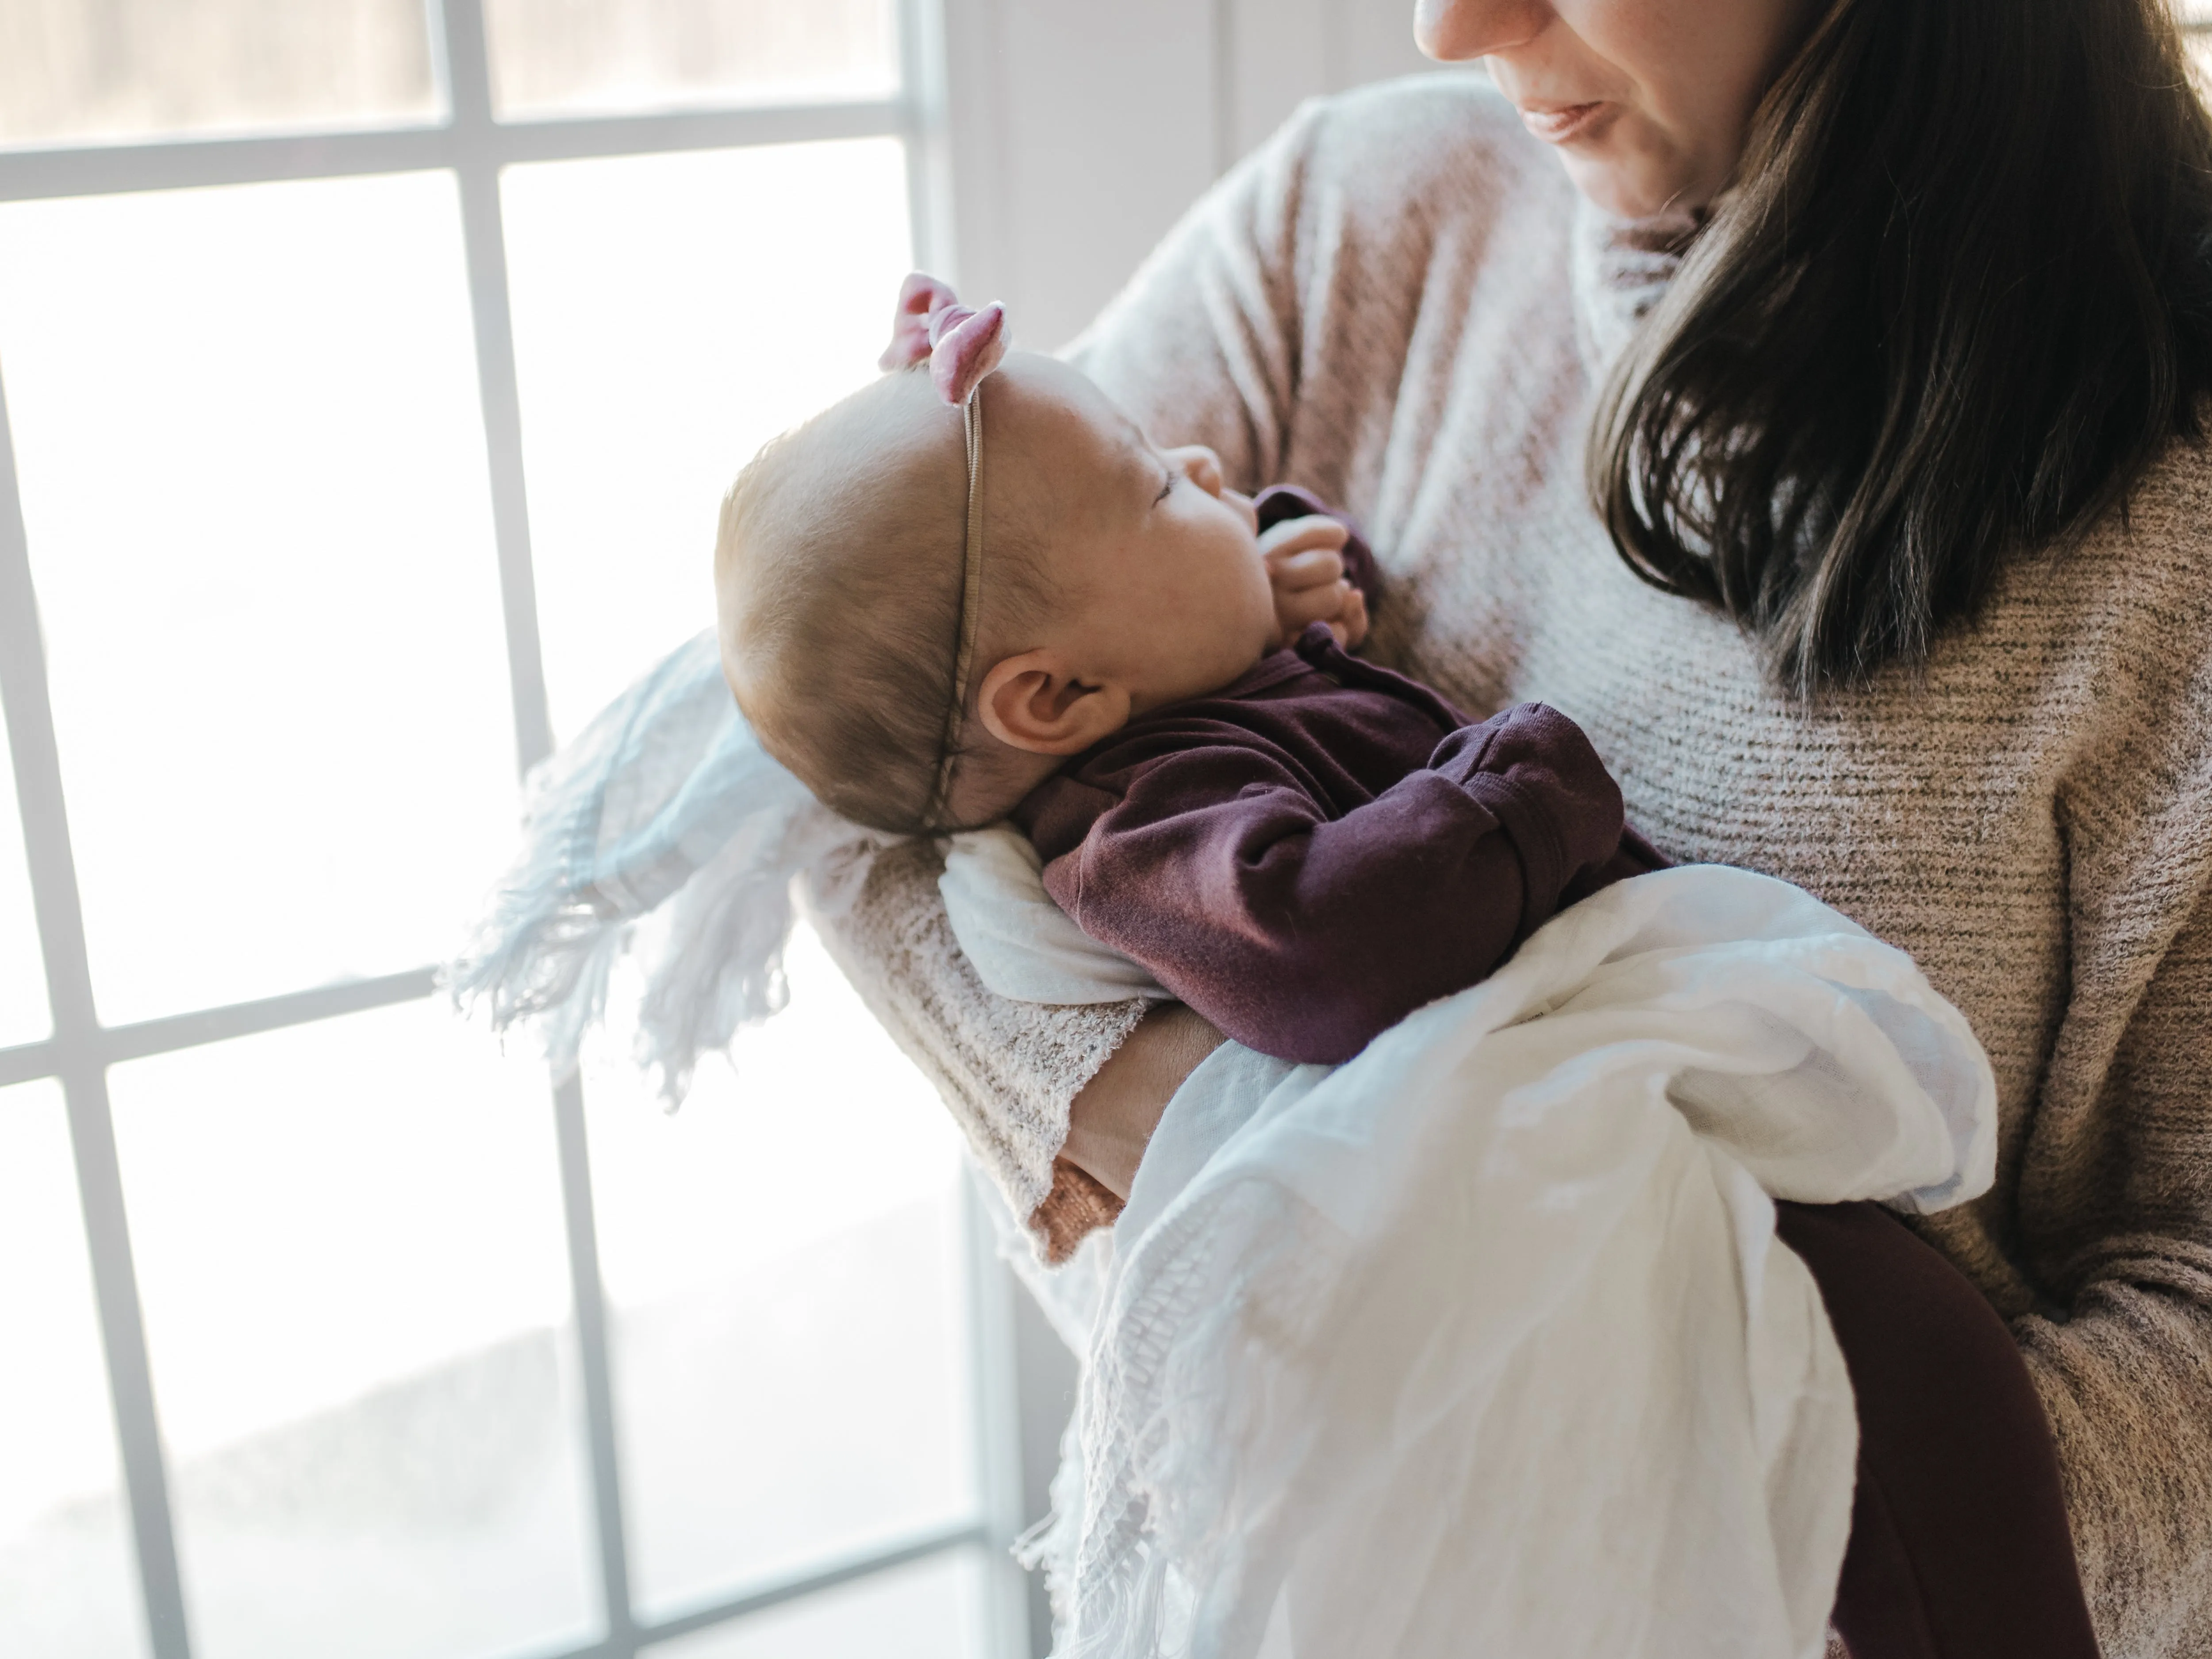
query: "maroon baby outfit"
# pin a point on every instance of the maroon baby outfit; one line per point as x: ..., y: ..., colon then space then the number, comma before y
x: 1308, y: 855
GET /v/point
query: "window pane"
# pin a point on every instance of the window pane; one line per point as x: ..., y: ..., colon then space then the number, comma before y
x: 2196, y: 15
x: 254, y: 479
x: 67, y: 1586
x: 932, y: 1610
x: 24, y: 1016
x: 782, y: 1262
x: 135, y: 69
x: 569, y: 55
x: 349, y: 1250
x: 673, y: 313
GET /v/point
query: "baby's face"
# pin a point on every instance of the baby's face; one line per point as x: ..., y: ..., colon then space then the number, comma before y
x: 1157, y: 562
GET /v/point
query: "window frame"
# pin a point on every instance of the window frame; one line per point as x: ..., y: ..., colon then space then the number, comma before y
x: 473, y: 143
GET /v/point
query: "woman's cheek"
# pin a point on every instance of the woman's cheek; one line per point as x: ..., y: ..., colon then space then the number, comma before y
x: 1692, y: 73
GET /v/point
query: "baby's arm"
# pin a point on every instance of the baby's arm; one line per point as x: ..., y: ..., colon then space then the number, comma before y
x: 1303, y: 936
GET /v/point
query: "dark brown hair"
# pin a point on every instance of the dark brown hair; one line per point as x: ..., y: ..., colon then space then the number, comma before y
x: 1957, y: 302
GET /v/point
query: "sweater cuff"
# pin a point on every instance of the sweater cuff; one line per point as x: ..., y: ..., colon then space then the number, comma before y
x: 1534, y: 836
x: 1076, y: 1207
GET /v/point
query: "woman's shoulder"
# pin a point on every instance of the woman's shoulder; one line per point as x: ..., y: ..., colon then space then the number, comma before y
x: 2145, y: 568
x: 2168, y: 520
x: 2106, y: 645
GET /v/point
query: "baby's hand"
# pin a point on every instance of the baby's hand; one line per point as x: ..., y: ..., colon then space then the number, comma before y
x: 1305, y: 564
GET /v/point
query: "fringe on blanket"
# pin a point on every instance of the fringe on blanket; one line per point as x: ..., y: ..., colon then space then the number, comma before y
x: 664, y: 811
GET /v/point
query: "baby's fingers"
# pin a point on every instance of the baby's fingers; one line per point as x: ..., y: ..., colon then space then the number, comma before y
x: 1295, y: 611
x: 1296, y: 535
x: 1350, y: 626
x: 1317, y: 567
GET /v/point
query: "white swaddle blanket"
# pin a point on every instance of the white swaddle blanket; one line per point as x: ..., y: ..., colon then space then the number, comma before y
x: 1482, y: 1343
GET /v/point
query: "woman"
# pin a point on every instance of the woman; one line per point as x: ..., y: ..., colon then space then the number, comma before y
x: 1826, y: 440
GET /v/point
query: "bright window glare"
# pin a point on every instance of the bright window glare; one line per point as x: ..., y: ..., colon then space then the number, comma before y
x: 559, y: 56
x: 67, y: 1587
x: 814, y: 1124
x: 932, y: 1610
x: 782, y: 1262
x: 256, y: 488
x: 139, y: 68
x: 672, y: 313
x: 23, y: 1009
x: 350, y: 1250
x: 253, y: 480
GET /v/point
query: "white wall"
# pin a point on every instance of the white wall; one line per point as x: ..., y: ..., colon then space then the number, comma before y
x: 1080, y: 129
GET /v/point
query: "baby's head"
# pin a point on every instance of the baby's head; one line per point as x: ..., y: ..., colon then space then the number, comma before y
x: 1114, y: 578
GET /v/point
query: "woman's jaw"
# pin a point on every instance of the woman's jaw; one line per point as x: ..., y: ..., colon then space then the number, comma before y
x: 1647, y: 101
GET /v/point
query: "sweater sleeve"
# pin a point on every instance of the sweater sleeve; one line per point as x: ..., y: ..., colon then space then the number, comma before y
x: 1008, y: 1070
x: 1204, y: 344
x: 1303, y: 935
x: 2112, y: 1222
x: 2125, y: 1369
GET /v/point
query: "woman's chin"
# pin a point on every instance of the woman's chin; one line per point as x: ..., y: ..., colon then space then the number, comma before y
x: 1628, y: 187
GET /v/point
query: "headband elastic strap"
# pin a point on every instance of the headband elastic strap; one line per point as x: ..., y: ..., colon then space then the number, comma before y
x: 971, y: 604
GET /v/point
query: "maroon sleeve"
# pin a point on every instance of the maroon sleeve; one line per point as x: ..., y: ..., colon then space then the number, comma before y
x: 1303, y: 936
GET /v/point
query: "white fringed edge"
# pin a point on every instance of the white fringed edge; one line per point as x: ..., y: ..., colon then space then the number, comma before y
x: 716, y: 832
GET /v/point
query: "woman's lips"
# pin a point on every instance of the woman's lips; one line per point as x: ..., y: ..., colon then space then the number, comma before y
x: 1564, y: 123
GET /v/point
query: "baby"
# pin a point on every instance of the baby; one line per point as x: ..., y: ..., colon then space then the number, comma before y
x: 978, y: 591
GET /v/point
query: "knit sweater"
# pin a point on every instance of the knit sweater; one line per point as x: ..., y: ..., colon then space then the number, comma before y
x: 1400, y: 303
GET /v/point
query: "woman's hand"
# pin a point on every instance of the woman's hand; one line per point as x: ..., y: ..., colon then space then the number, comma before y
x: 1305, y: 565
x: 1111, y: 1120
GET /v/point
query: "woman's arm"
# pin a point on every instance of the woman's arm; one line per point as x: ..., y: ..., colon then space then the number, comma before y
x: 1203, y: 345
x: 1057, y: 1102
x: 1113, y: 1118
x: 2126, y: 1373
x: 1008, y: 1071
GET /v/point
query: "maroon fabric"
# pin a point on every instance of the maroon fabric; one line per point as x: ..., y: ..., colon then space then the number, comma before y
x: 1959, y: 1547
x: 1313, y: 852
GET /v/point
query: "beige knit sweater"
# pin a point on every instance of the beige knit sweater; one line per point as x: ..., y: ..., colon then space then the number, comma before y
x: 1392, y: 304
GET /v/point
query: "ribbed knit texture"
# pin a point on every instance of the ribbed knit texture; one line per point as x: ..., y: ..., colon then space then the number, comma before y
x: 1382, y: 305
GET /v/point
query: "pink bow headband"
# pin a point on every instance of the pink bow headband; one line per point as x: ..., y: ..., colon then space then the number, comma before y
x: 962, y: 345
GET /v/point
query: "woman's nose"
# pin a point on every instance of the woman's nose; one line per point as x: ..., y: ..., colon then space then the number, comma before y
x: 1453, y: 31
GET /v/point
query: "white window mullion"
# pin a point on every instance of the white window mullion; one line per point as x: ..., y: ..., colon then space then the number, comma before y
x: 461, y: 61
x: 84, y: 1078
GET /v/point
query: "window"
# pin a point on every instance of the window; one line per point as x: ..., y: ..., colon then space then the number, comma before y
x: 369, y: 373
x: 2196, y: 24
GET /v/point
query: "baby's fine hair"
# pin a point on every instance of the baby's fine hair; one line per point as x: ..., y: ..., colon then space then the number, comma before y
x: 837, y: 578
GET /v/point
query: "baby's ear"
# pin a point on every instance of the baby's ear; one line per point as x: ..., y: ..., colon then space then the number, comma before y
x: 1030, y: 702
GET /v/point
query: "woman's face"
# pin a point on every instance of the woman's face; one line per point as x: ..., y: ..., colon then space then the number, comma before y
x: 1647, y: 101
